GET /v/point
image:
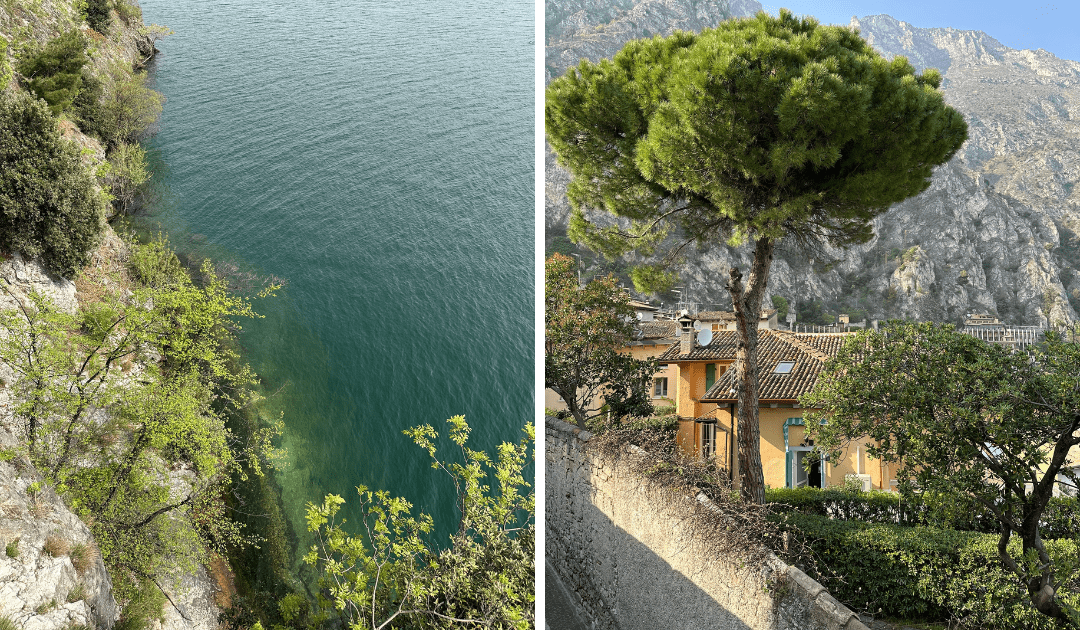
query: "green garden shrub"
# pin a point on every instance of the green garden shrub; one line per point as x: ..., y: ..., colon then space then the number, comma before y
x: 925, y: 572
x: 49, y: 205
x: 1061, y: 519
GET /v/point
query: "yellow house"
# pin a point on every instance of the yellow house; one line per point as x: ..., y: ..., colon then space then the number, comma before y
x: 788, y: 366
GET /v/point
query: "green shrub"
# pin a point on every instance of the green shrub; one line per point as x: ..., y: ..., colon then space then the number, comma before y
x: 925, y: 572
x: 130, y: 12
x: 54, y: 73
x: 87, y: 110
x: 145, y: 605
x: 154, y: 264
x: 1061, y: 519
x: 49, y: 207
x: 127, y: 172
x: 5, y: 66
x: 7, y: 624
x: 129, y: 107
x: 97, y: 15
x: 12, y: 549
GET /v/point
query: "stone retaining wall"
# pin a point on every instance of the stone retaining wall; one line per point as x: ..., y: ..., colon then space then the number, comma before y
x: 631, y: 562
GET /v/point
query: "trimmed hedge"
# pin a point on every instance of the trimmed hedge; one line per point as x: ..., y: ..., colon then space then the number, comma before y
x: 924, y: 572
x: 1060, y: 520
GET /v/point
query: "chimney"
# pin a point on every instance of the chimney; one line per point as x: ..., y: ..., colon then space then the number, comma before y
x: 686, y: 334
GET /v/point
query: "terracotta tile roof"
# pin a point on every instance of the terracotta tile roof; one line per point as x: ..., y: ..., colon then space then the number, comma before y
x: 727, y: 316
x: 659, y: 329
x: 808, y: 351
x: 722, y: 347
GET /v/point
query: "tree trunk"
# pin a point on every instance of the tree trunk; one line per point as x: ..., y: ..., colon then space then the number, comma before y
x: 573, y: 407
x: 747, y: 306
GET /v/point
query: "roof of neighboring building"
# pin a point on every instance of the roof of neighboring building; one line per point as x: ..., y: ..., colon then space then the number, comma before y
x: 808, y: 352
x: 643, y: 306
x: 659, y: 329
x: 727, y: 316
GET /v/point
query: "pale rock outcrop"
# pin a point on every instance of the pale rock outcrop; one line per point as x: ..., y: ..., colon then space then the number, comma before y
x: 25, y: 276
x: 35, y: 587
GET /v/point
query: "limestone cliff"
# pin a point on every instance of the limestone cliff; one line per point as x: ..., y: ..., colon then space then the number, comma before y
x: 51, y: 575
x: 996, y: 231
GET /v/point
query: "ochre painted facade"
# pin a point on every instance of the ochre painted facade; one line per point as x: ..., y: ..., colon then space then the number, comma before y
x: 775, y: 461
x: 781, y: 427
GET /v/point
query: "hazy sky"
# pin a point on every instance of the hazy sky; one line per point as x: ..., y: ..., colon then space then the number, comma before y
x: 1050, y: 26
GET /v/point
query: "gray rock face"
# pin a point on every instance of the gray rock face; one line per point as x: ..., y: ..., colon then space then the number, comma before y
x: 37, y: 590
x: 191, y: 603
x: 26, y: 276
x: 997, y: 230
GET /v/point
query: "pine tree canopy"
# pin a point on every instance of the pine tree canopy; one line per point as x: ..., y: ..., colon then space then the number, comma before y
x: 766, y: 127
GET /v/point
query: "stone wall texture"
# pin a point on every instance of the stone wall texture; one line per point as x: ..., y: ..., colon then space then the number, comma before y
x: 631, y: 562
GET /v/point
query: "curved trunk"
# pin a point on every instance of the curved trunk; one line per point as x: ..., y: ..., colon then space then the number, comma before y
x: 747, y: 307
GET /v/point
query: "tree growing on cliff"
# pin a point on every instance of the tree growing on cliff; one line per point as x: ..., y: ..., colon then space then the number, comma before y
x: 958, y: 416
x: 758, y: 130
x: 390, y: 574
x: 49, y: 207
x: 123, y: 405
x: 584, y: 326
x: 54, y: 73
x: 128, y: 106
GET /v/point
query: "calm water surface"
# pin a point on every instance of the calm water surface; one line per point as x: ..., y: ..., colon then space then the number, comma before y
x: 377, y: 155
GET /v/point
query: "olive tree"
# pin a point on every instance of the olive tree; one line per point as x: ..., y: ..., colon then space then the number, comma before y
x: 758, y: 130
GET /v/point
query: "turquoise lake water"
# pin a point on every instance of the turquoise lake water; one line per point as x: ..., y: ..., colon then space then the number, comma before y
x: 379, y: 157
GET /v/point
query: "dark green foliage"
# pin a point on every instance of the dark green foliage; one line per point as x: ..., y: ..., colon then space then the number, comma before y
x: 560, y: 245
x: 1060, y: 520
x: 97, y: 15
x: 87, y: 110
x: 781, y: 305
x: 926, y: 573
x: 48, y: 203
x: 54, y: 73
x: 760, y: 128
x: 813, y: 312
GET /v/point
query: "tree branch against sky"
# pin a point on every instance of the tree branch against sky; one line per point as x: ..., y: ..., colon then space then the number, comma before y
x: 759, y: 130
